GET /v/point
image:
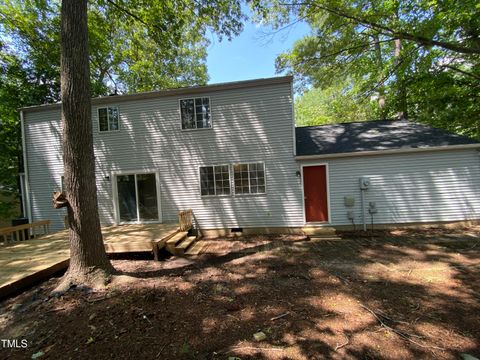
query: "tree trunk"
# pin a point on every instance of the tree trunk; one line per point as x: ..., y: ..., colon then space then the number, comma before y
x: 402, y: 91
x: 381, y: 85
x: 89, y: 264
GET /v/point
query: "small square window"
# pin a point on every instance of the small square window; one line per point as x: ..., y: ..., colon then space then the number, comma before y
x: 195, y: 113
x: 108, y: 119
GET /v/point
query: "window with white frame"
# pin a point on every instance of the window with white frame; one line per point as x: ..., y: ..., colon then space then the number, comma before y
x: 215, y: 180
x: 108, y: 119
x: 195, y: 113
x: 249, y: 178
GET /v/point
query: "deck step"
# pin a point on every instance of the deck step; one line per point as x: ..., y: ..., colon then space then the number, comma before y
x: 196, y: 248
x: 181, y: 248
x: 174, y: 240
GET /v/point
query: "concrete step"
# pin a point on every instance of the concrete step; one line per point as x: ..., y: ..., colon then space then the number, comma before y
x: 325, y: 238
x: 174, y: 240
x: 182, y: 247
x: 319, y: 231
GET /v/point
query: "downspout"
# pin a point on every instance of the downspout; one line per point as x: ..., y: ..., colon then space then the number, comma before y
x: 363, y: 210
x: 293, y: 120
x: 25, y: 170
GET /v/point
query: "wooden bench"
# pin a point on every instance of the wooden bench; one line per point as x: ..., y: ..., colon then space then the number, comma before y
x: 23, y: 232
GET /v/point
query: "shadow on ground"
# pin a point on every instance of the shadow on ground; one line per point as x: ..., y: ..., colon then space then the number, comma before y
x: 391, y: 297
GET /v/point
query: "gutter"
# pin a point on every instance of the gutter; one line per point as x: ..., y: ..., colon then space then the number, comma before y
x: 25, y: 168
x: 388, y: 151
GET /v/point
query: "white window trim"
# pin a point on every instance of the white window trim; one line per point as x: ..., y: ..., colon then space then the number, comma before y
x: 214, y: 181
x: 116, y: 207
x: 249, y: 188
x: 108, y: 122
x: 327, y: 174
x: 195, y: 113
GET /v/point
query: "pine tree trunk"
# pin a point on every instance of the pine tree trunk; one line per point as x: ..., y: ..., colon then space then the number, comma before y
x: 89, y: 264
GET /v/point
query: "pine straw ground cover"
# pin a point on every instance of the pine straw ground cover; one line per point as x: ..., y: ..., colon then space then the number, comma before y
x: 400, y: 295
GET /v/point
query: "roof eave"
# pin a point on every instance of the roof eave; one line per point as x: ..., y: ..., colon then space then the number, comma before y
x: 387, y: 151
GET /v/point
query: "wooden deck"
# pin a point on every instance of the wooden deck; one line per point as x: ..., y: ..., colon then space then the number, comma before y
x: 26, y: 262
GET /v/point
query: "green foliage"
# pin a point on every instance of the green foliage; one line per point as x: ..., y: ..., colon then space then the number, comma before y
x: 420, y: 57
x: 134, y: 45
x: 331, y: 105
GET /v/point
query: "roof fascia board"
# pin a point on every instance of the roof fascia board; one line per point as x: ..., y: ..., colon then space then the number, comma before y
x: 388, y: 151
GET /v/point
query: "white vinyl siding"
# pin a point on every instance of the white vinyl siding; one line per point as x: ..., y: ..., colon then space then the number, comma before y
x: 252, y: 125
x: 45, y: 164
x: 413, y: 187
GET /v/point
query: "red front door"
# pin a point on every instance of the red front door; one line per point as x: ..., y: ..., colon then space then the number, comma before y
x: 315, y: 193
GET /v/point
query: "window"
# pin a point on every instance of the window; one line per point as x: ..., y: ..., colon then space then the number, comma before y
x: 215, y: 180
x: 249, y: 178
x: 108, y: 119
x: 195, y: 113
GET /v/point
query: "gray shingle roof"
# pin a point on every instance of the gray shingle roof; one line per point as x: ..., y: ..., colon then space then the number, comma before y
x: 372, y: 136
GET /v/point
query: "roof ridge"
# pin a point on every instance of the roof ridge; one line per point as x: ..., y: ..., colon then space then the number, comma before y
x: 358, y: 122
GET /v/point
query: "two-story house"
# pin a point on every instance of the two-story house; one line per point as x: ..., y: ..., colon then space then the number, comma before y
x: 231, y: 153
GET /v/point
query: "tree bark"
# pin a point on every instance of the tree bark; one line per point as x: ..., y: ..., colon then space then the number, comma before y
x: 89, y: 264
x: 402, y: 91
x: 381, y: 88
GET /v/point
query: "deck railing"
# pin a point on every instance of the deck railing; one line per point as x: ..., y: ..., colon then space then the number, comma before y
x: 185, y: 220
x: 23, y: 232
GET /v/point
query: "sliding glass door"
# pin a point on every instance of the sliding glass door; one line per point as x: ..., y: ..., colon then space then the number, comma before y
x: 137, y: 197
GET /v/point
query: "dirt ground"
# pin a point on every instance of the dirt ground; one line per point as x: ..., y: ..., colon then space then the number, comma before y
x: 398, y: 295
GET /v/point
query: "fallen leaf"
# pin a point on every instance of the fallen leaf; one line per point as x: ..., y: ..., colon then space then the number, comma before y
x: 38, y: 355
x: 259, y: 336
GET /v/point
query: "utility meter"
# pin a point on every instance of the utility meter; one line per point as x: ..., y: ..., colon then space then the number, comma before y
x: 372, y: 207
x: 364, y: 183
x: 349, y: 201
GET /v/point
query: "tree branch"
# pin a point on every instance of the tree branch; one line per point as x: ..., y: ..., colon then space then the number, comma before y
x: 391, y: 72
x: 134, y: 16
x: 362, y: 46
x: 385, y: 30
x: 461, y: 71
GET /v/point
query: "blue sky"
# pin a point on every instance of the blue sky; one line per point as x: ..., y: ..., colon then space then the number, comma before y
x: 250, y: 55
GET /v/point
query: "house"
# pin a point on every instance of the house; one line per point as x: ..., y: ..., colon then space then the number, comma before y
x: 231, y: 153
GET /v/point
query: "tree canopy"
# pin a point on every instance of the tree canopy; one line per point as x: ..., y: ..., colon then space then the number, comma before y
x: 413, y: 58
x: 134, y: 45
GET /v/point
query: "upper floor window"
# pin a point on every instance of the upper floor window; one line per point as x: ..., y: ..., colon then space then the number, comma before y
x: 195, y: 113
x: 108, y: 119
